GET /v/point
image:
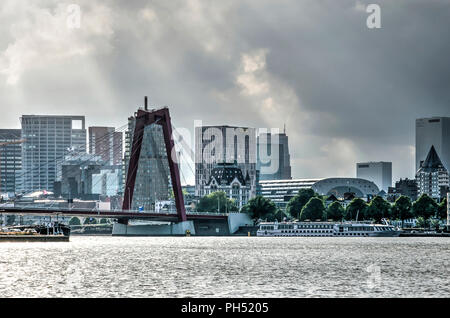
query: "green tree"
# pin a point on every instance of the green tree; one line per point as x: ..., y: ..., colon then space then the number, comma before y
x: 74, y: 221
x: 280, y: 215
x: 356, y: 207
x: 313, y: 210
x: 424, y: 207
x: 401, y: 210
x: 260, y: 208
x: 442, y: 210
x: 172, y: 195
x: 216, y: 202
x: 90, y: 221
x: 103, y: 221
x: 10, y: 219
x: 335, y: 211
x: 434, y: 223
x: 378, y: 208
x: 421, y: 222
x: 297, y: 203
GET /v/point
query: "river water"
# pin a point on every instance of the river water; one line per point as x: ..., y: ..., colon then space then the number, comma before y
x: 227, y: 267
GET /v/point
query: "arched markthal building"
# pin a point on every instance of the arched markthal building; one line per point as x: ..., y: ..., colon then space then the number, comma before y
x: 281, y: 191
x: 338, y: 186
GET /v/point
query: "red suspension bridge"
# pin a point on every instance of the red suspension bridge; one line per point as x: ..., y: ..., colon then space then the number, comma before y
x: 144, y: 118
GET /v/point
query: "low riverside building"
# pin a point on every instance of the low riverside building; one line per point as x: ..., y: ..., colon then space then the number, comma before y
x: 406, y: 187
x: 282, y: 191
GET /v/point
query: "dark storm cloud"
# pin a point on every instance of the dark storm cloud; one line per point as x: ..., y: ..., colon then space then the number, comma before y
x: 346, y: 93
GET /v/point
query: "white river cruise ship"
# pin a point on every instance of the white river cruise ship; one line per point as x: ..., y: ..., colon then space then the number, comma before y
x: 342, y: 229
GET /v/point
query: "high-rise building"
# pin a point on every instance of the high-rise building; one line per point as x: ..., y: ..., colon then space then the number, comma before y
x: 10, y: 160
x: 77, y: 173
x: 48, y: 139
x: 106, y: 143
x: 224, y: 144
x: 435, y: 132
x: 432, y: 177
x: 277, y: 164
x: 379, y: 173
x: 153, y: 175
x: 108, y: 182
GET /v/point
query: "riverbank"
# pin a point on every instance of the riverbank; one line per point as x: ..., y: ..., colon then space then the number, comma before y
x: 425, y: 234
x: 34, y: 238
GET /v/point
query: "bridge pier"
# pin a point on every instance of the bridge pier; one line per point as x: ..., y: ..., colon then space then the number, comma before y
x: 123, y: 221
x: 198, y: 227
x: 154, y: 229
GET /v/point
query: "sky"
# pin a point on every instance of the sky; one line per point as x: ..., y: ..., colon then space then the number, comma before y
x: 346, y: 93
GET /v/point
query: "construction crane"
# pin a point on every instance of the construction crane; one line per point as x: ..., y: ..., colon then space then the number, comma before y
x: 7, y: 143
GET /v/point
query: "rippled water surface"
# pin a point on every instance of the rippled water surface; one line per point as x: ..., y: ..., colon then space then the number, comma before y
x: 227, y: 267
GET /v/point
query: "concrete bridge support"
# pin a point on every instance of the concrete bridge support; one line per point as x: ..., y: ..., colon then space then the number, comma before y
x: 199, y: 227
x: 154, y: 229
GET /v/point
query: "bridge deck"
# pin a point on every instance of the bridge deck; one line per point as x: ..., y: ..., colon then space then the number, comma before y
x: 157, y: 216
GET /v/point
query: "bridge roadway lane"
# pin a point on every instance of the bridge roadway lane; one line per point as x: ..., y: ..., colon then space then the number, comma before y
x: 157, y: 216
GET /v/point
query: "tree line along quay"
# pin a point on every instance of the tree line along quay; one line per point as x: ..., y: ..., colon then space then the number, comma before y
x: 308, y: 205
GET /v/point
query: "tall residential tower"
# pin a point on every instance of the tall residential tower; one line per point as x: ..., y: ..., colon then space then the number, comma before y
x: 10, y: 160
x: 432, y: 177
x: 435, y: 132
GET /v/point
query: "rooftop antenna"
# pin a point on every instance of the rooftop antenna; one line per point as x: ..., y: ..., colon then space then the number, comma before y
x: 146, y: 103
x: 284, y: 128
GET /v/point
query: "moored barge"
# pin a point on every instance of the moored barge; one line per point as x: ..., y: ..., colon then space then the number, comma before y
x: 51, y: 232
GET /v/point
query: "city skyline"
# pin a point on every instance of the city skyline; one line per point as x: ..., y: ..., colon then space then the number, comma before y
x: 190, y: 179
x: 218, y: 157
x: 292, y: 70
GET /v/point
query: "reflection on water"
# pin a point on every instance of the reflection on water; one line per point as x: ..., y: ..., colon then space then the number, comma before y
x: 227, y: 267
